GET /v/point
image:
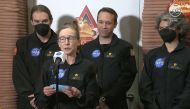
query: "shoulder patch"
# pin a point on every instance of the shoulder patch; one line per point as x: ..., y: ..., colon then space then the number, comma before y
x: 15, y: 51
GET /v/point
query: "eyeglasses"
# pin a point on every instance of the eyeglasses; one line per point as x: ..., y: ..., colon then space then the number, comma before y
x: 63, y: 39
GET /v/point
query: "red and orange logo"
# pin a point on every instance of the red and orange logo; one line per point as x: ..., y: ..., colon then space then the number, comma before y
x: 87, y: 26
x: 180, y: 6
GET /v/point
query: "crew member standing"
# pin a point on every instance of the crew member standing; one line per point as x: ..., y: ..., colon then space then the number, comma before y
x: 114, y: 59
x: 32, y: 51
x: 165, y: 81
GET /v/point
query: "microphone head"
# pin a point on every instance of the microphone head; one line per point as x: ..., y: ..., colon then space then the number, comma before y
x: 59, y: 55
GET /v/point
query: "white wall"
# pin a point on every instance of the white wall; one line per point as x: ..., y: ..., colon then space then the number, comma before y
x: 74, y: 8
x: 129, y: 16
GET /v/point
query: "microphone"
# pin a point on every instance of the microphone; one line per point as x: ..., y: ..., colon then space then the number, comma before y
x: 57, y: 58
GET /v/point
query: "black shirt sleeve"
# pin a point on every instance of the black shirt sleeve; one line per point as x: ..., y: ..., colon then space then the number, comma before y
x: 21, y: 77
x: 42, y: 101
x: 146, y: 86
x: 183, y: 100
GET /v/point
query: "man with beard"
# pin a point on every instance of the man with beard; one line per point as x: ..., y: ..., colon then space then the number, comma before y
x: 32, y: 51
x: 114, y: 59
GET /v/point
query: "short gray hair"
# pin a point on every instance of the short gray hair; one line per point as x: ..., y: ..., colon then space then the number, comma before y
x: 179, y: 22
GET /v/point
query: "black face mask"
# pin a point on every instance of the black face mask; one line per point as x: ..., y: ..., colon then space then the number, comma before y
x: 42, y: 29
x: 167, y: 35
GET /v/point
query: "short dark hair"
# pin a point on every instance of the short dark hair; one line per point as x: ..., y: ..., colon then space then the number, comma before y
x: 41, y: 8
x: 109, y: 10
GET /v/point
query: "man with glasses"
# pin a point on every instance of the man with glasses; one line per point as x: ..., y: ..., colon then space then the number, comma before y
x: 32, y: 51
x: 114, y: 59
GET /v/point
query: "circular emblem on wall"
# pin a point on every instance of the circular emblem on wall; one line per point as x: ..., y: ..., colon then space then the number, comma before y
x: 175, y: 10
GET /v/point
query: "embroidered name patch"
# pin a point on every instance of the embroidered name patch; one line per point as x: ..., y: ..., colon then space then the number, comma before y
x: 76, y: 76
x: 109, y: 55
x: 49, y: 53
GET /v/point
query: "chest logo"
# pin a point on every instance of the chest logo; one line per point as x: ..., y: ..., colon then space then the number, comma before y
x: 50, y: 53
x: 175, y: 66
x: 109, y: 55
x: 76, y: 76
x: 35, y: 52
x: 96, y: 53
x: 61, y: 73
x: 159, y: 63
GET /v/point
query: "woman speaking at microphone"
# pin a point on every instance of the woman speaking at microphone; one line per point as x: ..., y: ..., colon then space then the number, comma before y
x: 76, y: 76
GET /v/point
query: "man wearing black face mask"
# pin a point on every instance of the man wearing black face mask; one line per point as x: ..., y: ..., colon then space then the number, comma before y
x: 167, y: 34
x: 165, y: 81
x: 42, y: 29
x: 32, y: 51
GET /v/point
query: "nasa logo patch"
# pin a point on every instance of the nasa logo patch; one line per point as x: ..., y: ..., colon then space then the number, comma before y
x: 35, y: 52
x: 95, y: 53
x: 159, y: 63
x: 61, y: 73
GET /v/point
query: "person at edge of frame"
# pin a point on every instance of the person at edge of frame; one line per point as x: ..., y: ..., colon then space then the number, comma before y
x: 165, y: 80
x: 32, y: 51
